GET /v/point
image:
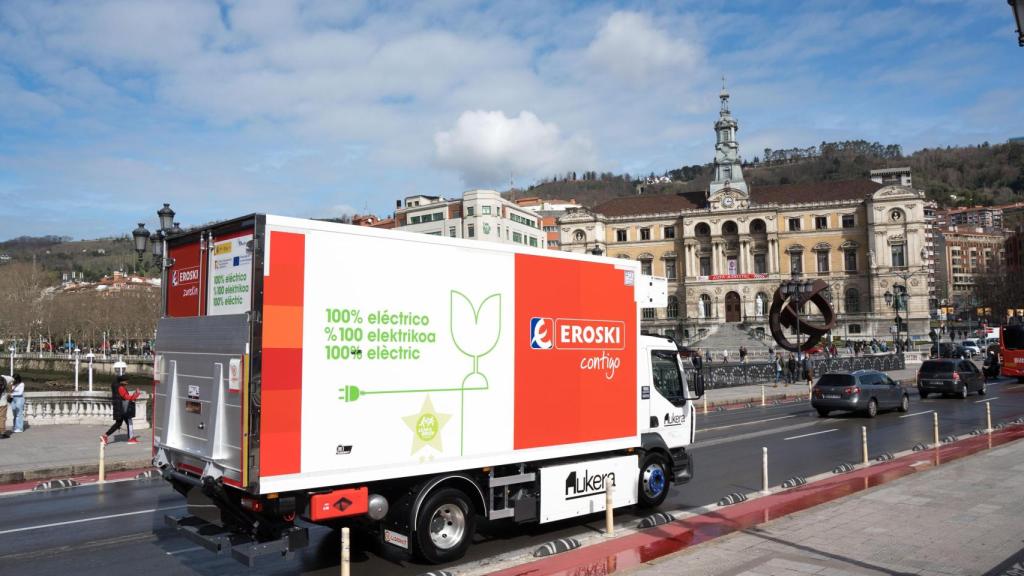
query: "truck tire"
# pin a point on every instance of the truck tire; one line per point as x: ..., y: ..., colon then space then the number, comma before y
x: 654, y: 482
x: 444, y: 527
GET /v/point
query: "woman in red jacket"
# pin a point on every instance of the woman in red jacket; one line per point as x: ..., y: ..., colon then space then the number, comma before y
x: 123, y: 408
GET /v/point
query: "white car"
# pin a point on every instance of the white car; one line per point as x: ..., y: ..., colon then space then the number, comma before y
x: 972, y: 345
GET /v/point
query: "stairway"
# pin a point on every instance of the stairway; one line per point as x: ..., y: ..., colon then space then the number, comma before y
x: 730, y: 337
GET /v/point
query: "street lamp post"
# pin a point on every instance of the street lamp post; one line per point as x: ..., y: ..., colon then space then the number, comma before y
x: 798, y: 291
x: 90, y: 356
x: 141, y: 236
x: 77, y: 360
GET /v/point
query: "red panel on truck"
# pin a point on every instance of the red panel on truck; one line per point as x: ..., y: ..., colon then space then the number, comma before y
x: 280, y: 424
x: 575, y: 341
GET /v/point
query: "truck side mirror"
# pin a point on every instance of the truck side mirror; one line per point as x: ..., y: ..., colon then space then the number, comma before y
x: 698, y: 383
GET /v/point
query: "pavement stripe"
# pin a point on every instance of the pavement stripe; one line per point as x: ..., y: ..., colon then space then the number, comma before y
x: 811, y: 434
x: 917, y: 413
x: 748, y: 435
x: 93, y: 519
x: 986, y: 400
x: 746, y: 423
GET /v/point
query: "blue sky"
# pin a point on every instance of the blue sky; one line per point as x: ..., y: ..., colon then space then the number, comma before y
x: 309, y: 108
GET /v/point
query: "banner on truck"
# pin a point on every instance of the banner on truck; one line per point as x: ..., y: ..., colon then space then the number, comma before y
x: 231, y: 276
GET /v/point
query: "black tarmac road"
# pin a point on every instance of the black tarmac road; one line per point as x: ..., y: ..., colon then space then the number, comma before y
x: 119, y: 526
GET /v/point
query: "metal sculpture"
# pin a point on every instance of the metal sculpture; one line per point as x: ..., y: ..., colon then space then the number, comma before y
x: 785, y: 313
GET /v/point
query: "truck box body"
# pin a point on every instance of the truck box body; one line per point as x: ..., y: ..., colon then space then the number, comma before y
x: 298, y: 354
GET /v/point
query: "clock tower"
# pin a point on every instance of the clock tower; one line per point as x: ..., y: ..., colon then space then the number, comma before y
x: 727, y: 190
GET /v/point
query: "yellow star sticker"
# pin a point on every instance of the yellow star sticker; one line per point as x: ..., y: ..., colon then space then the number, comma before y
x: 426, y: 427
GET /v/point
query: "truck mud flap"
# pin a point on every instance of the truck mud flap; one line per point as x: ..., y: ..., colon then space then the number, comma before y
x: 242, y: 548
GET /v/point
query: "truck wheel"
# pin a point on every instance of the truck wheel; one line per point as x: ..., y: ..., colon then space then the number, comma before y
x: 444, y: 527
x: 654, y: 482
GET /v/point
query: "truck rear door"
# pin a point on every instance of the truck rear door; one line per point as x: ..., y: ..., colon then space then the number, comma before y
x: 202, y: 375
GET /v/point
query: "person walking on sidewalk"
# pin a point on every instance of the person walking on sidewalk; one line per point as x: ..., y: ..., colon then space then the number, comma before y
x: 6, y: 382
x: 808, y: 367
x: 790, y: 369
x: 777, y: 365
x: 743, y: 354
x: 17, y: 401
x: 124, y: 408
x: 725, y: 356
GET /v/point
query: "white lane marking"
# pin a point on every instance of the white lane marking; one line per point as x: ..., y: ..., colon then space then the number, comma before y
x: 986, y: 400
x: 192, y: 549
x: 811, y: 434
x: 917, y: 413
x: 93, y: 519
x: 747, y: 423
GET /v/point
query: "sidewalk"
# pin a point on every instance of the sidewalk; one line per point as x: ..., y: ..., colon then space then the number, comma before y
x: 61, y: 451
x: 963, y: 518
x: 739, y: 396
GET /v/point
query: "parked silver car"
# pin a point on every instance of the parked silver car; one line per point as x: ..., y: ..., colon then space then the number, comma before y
x: 866, y: 391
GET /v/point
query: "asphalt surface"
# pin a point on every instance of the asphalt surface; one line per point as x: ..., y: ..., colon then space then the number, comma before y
x: 119, y: 526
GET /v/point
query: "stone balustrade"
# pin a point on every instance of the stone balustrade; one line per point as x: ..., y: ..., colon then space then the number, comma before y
x: 45, y: 408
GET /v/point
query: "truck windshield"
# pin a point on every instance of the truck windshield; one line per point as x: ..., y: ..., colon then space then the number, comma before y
x: 668, y: 380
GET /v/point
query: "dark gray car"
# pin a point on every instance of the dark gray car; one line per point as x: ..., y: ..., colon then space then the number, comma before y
x: 866, y: 391
x: 950, y: 376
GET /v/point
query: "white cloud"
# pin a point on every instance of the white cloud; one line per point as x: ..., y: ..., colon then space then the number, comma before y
x: 487, y: 147
x: 633, y: 48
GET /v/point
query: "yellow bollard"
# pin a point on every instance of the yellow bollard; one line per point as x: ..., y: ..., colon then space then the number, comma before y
x: 988, y: 417
x: 762, y: 394
x: 609, y: 507
x: 103, y: 471
x: 864, y: 443
x: 935, y: 419
x: 344, y: 552
x: 705, y: 401
x: 764, y: 469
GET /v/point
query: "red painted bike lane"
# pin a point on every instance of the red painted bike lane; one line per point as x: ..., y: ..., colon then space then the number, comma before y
x: 630, y: 551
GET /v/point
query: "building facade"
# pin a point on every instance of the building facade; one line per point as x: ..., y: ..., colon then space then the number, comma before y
x: 968, y: 252
x: 478, y: 215
x: 725, y: 251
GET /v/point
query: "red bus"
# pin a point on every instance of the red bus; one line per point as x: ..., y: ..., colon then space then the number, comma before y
x: 1011, y: 348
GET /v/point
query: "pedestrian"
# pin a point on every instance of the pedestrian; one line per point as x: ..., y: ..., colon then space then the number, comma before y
x: 124, y: 408
x: 6, y: 382
x: 743, y: 354
x: 707, y: 356
x: 808, y: 370
x: 790, y: 369
x: 16, y: 398
x: 725, y: 356
x: 777, y: 365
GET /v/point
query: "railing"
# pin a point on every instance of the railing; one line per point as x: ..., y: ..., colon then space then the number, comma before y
x: 47, y: 408
x: 735, y: 374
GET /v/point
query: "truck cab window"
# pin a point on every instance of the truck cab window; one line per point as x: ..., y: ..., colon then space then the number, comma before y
x: 668, y: 380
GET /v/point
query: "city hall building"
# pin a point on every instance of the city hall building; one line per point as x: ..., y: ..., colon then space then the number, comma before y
x: 725, y: 250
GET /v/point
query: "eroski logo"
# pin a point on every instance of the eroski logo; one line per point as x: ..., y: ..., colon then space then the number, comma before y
x: 540, y: 333
x: 587, y: 485
x: 185, y: 276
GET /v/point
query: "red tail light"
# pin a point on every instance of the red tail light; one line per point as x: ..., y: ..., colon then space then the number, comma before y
x: 852, y: 390
x: 956, y: 376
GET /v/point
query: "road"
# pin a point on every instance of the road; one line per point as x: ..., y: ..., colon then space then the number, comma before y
x: 119, y: 526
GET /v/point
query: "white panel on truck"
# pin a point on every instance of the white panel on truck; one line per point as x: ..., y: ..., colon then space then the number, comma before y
x: 571, y: 490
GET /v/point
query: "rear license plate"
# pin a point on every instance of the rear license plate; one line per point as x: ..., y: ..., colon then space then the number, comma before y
x: 832, y: 396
